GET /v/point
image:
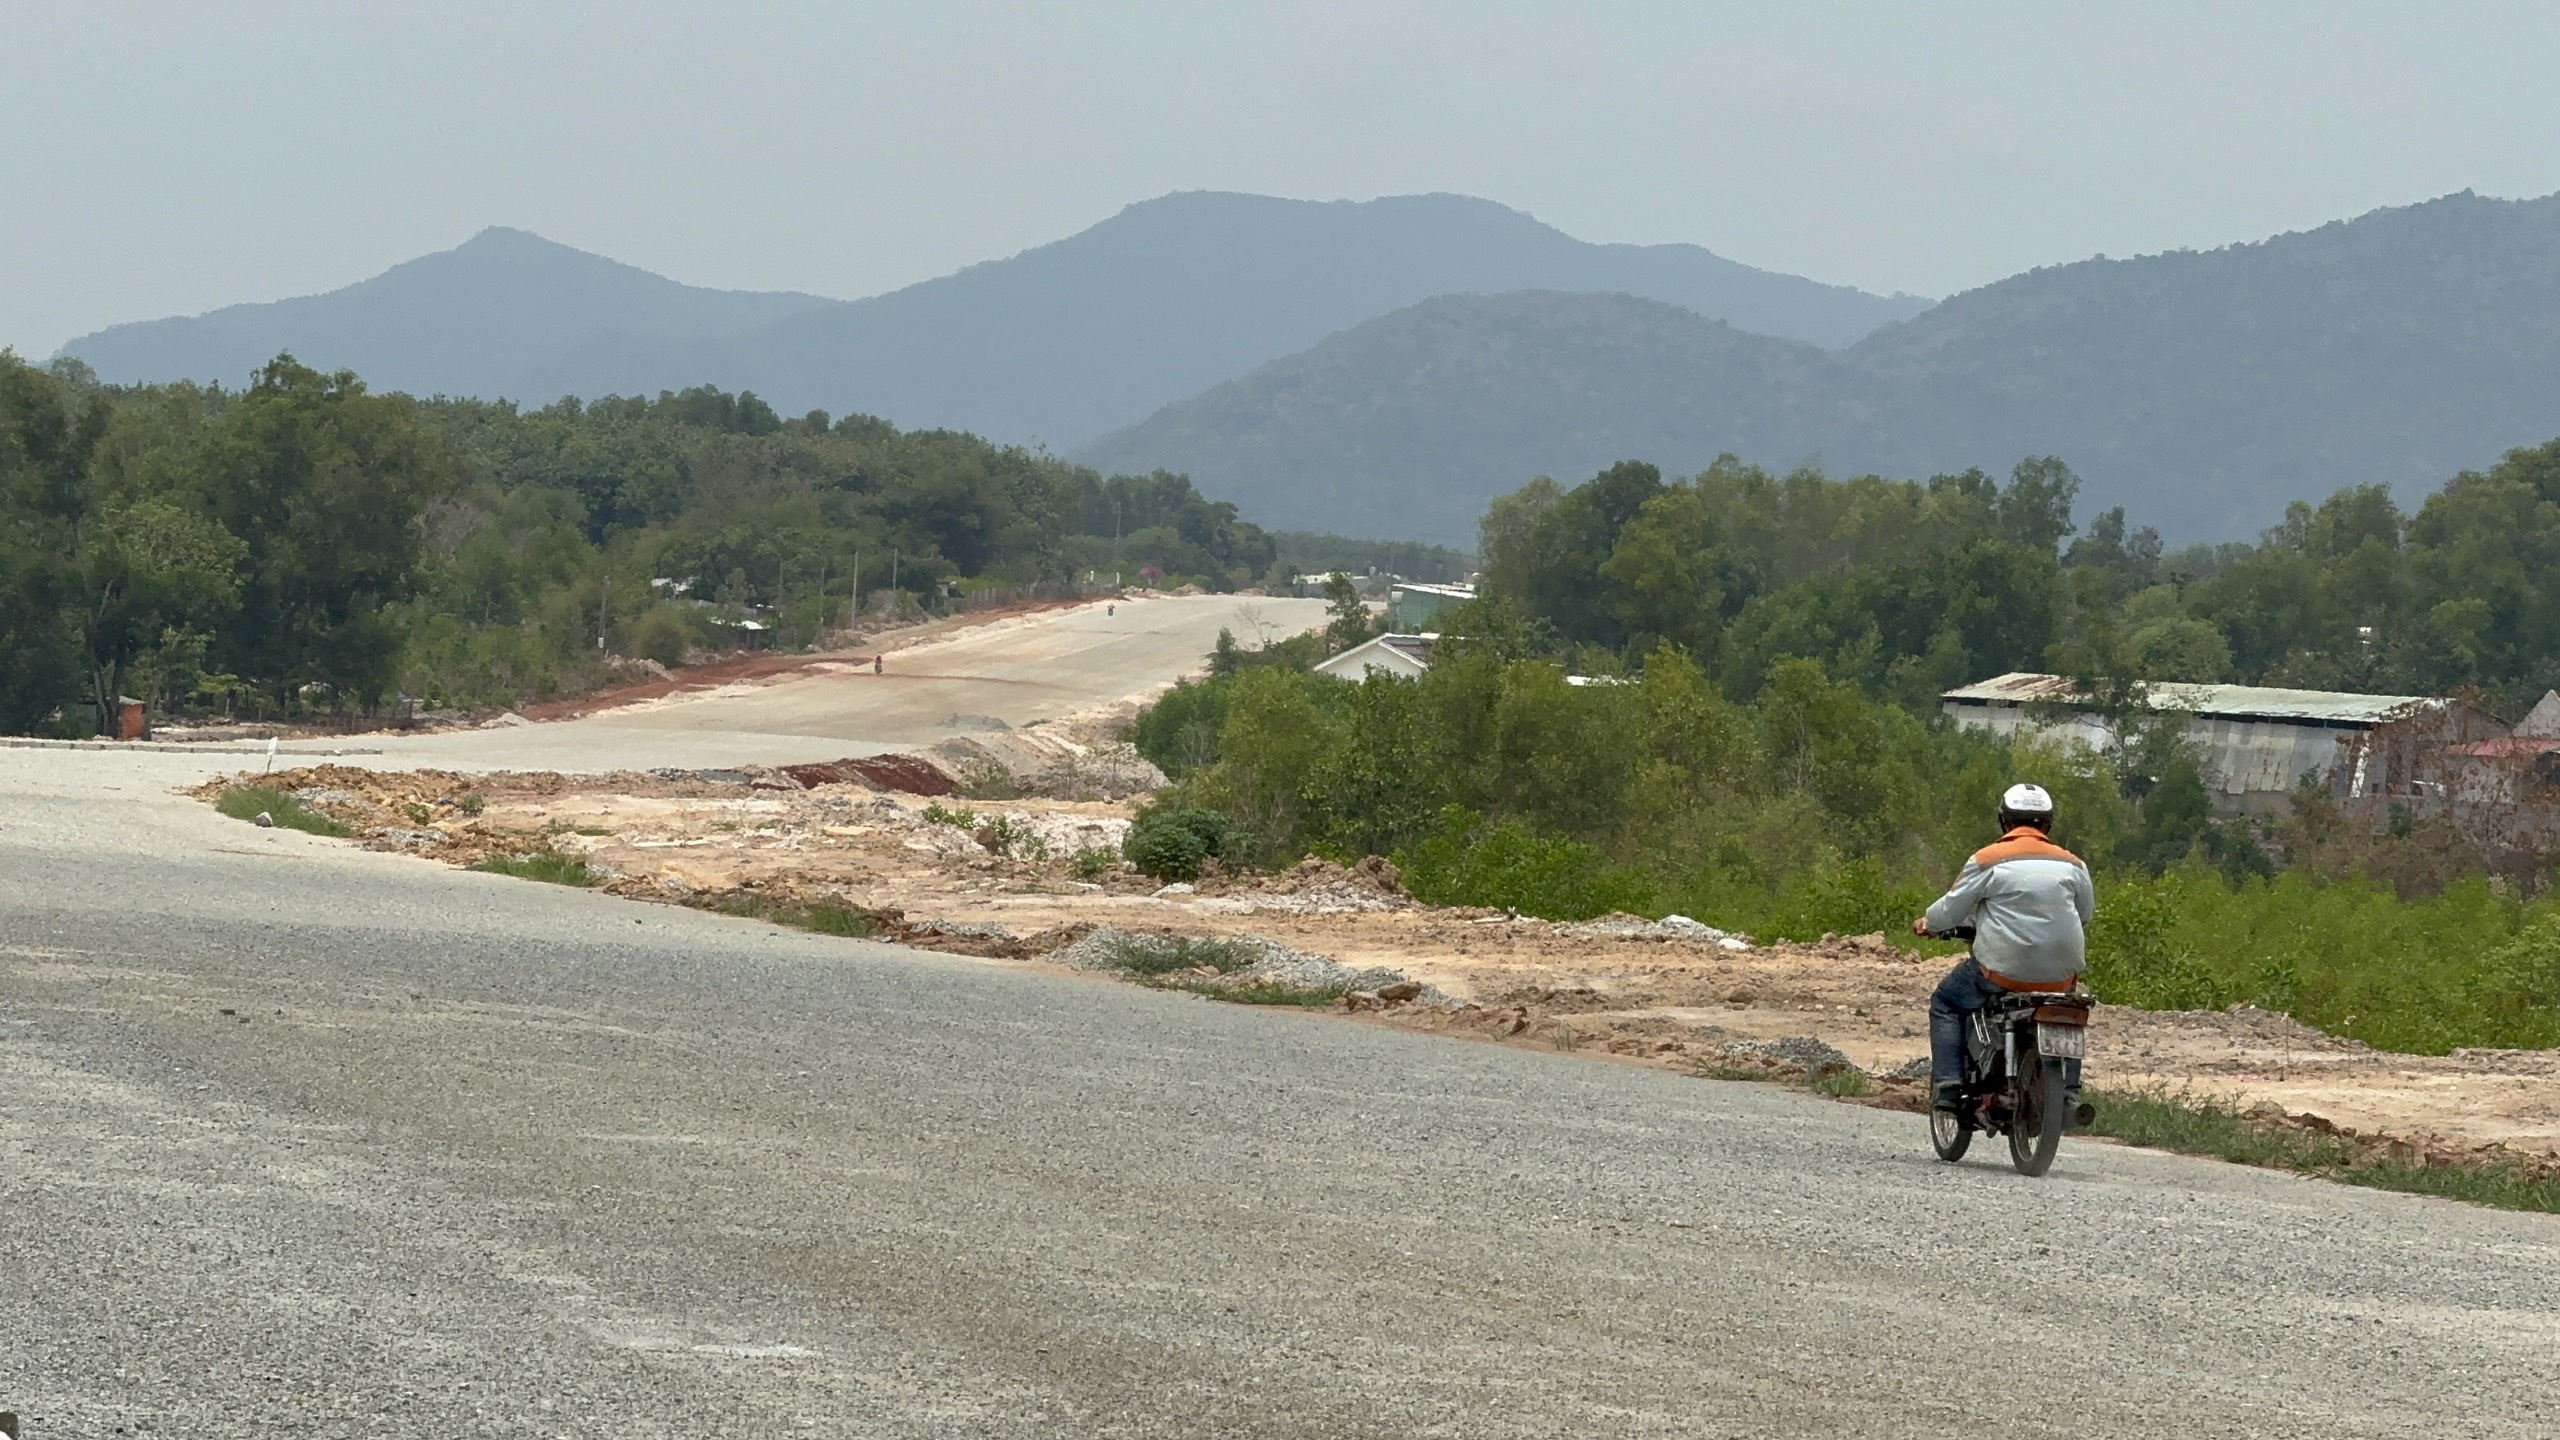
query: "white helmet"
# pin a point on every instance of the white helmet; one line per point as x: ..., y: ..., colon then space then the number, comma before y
x: 2026, y: 800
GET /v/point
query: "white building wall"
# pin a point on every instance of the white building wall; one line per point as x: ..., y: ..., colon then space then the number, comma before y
x: 2244, y: 756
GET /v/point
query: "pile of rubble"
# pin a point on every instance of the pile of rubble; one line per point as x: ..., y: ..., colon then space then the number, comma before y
x: 1622, y: 926
x: 1039, y: 760
x: 1109, y: 950
x: 1315, y: 887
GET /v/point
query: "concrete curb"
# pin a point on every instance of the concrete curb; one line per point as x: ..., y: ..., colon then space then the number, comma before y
x: 116, y: 747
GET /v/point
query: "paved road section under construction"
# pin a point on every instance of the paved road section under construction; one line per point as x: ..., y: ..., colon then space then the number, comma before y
x: 302, y: 1140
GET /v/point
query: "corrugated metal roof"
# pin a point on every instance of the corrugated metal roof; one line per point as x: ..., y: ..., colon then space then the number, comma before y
x: 2252, y: 701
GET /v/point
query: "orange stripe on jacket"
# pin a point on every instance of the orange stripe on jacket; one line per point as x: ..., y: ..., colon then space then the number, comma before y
x: 2024, y: 843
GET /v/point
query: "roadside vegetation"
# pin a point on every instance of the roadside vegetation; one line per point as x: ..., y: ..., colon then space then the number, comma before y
x: 547, y: 866
x: 1207, y: 967
x: 824, y: 916
x: 282, y: 809
x: 2193, y: 1125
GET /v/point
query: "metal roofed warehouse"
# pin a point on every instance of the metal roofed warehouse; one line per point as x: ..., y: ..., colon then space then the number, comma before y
x: 2257, y: 740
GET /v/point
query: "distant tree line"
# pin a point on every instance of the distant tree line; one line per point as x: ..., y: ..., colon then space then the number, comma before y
x: 302, y: 544
x: 1306, y: 553
x: 1909, y: 588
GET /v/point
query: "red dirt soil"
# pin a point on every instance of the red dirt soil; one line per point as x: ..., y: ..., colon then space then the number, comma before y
x: 746, y: 667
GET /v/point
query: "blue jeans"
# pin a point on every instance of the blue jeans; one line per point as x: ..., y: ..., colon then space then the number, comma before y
x: 1965, y: 990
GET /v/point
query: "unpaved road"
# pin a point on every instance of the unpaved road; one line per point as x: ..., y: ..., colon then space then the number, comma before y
x: 480, y: 1156
x: 1019, y: 669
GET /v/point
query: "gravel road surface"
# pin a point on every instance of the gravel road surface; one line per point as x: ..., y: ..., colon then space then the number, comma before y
x: 299, y: 1140
x: 1017, y: 670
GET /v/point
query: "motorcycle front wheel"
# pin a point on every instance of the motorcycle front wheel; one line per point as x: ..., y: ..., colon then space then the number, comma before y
x: 2035, y: 1130
x: 1949, y: 1134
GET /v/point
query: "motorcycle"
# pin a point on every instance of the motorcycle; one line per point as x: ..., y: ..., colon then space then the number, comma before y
x: 2014, y: 1075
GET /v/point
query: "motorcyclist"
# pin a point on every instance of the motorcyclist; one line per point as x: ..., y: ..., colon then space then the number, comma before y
x: 2028, y: 901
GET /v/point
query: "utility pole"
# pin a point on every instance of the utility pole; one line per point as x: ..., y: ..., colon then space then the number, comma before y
x: 821, y: 637
x: 604, y: 611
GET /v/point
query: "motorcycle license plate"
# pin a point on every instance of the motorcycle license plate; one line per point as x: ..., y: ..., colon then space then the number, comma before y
x: 2062, y: 1042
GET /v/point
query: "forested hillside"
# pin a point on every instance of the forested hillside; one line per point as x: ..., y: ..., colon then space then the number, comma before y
x: 305, y: 545
x: 1409, y: 424
x: 2204, y: 391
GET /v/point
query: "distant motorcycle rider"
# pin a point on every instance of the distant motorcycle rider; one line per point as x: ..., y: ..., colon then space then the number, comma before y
x: 2028, y: 901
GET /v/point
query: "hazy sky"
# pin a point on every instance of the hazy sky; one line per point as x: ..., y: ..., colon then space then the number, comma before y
x: 160, y: 158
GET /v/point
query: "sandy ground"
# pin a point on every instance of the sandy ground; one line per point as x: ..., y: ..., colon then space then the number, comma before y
x: 1641, y: 998
x: 965, y: 676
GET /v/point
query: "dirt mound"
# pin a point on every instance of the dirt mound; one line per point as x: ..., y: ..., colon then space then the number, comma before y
x: 1572, y: 1000
x: 906, y: 774
x: 1314, y: 887
x: 1375, y: 874
x: 1042, y: 760
x: 1814, y: 1057
x: 992, y: 942
x: 1621, y: 926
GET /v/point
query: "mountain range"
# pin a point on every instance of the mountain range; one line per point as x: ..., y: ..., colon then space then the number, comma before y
x: 1055, y: 346
x: 2203, y: 391
x: 1384, y: 367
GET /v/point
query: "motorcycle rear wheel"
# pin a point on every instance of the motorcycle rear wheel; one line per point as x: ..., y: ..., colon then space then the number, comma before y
x: 1949, y: 1134
x: 2035, y: 1131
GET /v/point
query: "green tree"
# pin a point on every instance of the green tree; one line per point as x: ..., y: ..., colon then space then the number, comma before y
x: 1350, y: 623
x: 44, y: 500
x: 323, y: 485
x: 157, y: 581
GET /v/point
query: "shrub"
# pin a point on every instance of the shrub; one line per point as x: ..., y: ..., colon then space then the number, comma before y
x: 1171, y: 844
x: 1155, y: 955
x: 2133, y: 961
x: 828, y: 916
x: 1846, y: 897
x: 1507, y: 867
x: 548, y: 866
x: 1014, y: 841
x: 1091, y: 862
x: 660, y: 635
x: 1180, y: 731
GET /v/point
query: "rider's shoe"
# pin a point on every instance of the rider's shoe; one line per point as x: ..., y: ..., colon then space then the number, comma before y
x: 1946, y: 1095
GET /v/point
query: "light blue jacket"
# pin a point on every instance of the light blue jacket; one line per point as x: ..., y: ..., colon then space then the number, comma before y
x: 2029, y: 901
